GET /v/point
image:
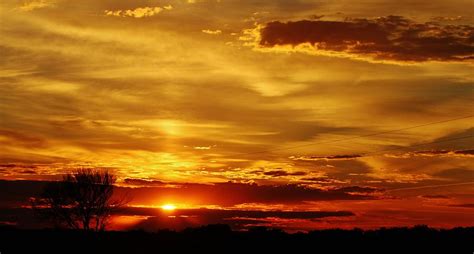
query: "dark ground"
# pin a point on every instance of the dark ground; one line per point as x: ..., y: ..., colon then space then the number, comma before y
x: 221, y: 239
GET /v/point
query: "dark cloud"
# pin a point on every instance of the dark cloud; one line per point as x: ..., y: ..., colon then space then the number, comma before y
x: 230, y: 194
x: 8, y: 165
x: 22, y: 166
x: 435, y: 196
x: 385, y: 38
x: 465, y: 152
x: 222, y: 194
x: 464, y: 140
x: 324, y: 180
x: 31, y: 172
x: 17, y: 193
x: 318, y: 179
x: 459, y: 174
x: 463, y: 205
x: 332, y: 157
x: 142, y: 182
x: 338, y: 171
x: 357, y: 189
x: 278, y: 173
x: 237, y: 219
x: 235, y: 213
x: 152, y: 219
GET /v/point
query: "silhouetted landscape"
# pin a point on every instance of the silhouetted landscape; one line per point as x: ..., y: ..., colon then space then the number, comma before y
x: 220, y: 238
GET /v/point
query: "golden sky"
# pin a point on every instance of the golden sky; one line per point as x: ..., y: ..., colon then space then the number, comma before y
x: 286, y: 93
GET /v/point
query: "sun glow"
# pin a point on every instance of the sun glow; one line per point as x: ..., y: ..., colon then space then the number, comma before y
x: 168, y: 207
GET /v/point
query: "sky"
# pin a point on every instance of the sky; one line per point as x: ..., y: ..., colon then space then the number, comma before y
x: 296, y: 114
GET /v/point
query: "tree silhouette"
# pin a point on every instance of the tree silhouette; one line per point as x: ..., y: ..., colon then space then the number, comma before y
x: 82, y: 200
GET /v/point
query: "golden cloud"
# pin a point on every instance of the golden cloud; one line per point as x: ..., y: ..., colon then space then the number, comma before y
x: 141, y: 12
x: 212, y: 32
x: 36, y: 4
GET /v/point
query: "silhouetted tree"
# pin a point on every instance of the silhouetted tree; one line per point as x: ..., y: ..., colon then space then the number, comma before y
x: 82, y: 200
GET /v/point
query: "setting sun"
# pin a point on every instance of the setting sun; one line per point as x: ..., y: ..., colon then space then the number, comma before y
x: 168, y: 207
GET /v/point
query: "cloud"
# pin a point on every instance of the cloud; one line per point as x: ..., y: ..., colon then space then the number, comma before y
x: 435, y: 153
x: 150, y: 193
x: 230, y: 194
x: 435, y: 196
x: 463, y: 205
x: 9, y: 138
x: 18, y: 192
x: 357, y: 189
x: 321, y: 180
x: 325, y: 158
x: 429, y: 153
x: 237, y: 219
x: 152, y: 219
x: 279, y: 173
x: 141, y: 12
x: 392, y: 38
x: 202, y: 147
x: 460, y: 174
x: 212, y: 32
x: 448, y: 18
x: 229, y: 213
x: 464, y: 145
x: 36, y: 4
x: 469, y: 153
x: 142, y: 182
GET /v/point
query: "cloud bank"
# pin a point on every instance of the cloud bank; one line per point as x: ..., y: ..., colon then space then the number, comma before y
x: 392, y: 38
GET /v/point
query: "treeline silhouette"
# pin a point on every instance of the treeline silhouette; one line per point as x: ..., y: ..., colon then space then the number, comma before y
x: 221, y: 239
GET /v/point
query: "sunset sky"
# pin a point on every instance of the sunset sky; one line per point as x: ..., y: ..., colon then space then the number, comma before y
x: 299, y: 114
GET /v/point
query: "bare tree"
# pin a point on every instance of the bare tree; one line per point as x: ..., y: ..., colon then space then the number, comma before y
x: 82, y: 200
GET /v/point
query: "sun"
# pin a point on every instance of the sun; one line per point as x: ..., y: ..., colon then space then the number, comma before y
x: 168, y: 207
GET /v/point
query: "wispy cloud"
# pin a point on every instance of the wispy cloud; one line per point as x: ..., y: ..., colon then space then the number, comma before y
x: 36, y: 4
x: 141, y: 12
x: 212, y: 32
x: 435, y: 153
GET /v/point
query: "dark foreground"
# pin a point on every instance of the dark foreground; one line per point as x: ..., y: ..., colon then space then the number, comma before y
x: 221, y: 239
